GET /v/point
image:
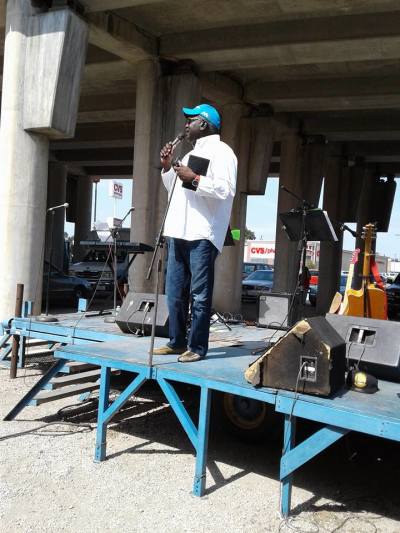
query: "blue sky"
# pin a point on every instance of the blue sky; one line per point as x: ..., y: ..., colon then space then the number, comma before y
x: 261, y: 215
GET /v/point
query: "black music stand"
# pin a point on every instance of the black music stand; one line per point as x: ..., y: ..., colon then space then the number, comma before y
x: 304, y: 225
x: 311, y: 223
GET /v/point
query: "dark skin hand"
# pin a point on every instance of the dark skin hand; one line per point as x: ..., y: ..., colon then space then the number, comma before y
x: 184, y: 173
x: 166, y: 156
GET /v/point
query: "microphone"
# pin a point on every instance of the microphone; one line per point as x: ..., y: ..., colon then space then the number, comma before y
x: 343, y: 227
x: 178, y: 139
x: 57, y: 207
x: 128, y: 213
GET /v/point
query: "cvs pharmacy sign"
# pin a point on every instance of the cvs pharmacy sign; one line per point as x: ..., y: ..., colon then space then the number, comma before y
x: 115, y: 189
x: 259, y: 250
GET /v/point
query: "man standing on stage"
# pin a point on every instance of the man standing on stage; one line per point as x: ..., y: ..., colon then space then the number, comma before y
x: 196, y: 227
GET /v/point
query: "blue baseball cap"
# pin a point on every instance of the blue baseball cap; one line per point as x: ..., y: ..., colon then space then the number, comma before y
x: 208, y: 112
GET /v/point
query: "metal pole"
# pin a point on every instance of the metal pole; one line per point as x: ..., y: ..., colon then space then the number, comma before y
x: 15, y: 342
x: 50, y: 260
x: 111, y: 319
x: 95, y: 203
x: 160, y: 238
x: 153, y: 326
x: 115, y: 273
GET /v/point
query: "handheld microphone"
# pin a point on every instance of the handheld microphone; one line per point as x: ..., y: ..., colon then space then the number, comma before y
x: 178, y: 139
x: 57, y: 207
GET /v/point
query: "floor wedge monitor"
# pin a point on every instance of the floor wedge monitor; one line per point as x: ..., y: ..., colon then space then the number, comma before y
x: 373, y: 345
x: 136, y: 314
x: 310, y: 359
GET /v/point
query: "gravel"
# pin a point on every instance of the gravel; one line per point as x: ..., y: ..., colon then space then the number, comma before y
x: 49, y: 481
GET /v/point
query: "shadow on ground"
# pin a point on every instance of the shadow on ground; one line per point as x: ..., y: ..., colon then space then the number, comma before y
x: 357, y: 474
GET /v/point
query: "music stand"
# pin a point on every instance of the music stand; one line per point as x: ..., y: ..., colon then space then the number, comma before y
x: 317, y: 226
x: 304, y: 225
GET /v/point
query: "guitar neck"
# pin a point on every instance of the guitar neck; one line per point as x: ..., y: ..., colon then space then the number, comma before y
x: 349, y: 280
x: 367, y: 258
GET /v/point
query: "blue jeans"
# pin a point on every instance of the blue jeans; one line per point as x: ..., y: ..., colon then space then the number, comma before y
x: 190, y: 279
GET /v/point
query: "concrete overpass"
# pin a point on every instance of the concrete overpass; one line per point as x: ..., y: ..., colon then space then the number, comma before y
x: 313, y: 85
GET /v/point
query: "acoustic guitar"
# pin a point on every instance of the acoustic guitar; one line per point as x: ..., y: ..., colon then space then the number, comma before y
x: 369, y: 301
x: 345, y: 303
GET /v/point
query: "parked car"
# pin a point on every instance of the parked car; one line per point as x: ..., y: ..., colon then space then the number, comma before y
x: 248, y: 268
x: 312, y: 295
x: 393, y: 296
x: 388, y: 278
x: 257, y: 283
x: 63, y: 287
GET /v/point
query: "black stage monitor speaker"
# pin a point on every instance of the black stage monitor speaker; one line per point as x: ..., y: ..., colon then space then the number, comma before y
x: 275, y: 310
x: 372, y: 344
x: 136, y: 314
x: 310, y: 359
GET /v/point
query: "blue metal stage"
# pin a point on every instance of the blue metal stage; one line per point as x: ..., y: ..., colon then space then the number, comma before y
x: 223, y: 370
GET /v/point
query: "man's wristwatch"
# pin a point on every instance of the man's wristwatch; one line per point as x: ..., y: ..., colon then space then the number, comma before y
x: 195, y: 181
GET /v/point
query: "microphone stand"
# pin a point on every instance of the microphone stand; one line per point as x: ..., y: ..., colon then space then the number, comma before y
x: 159, y: 244
x: 160, y: 237
x: 114, y: 233
x: 344, y: 228
x: 46, y: 317
x: 302, y: 245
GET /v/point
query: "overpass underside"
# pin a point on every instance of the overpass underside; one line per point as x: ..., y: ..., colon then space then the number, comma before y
x: 93, y: 88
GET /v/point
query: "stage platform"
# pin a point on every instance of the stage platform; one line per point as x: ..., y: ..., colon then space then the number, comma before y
x: 223, y: 370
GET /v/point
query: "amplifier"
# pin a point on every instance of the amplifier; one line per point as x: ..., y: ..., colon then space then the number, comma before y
x: 136, y: 314
x: 276, y: 310
x: 310, y: 359
x: 373, y: 344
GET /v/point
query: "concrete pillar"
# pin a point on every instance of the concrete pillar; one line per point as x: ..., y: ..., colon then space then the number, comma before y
x: 23, y: 174
x: 56, y: 195
x: 313, y: 168
x: 83, y: 215
x: 228, y: 268
x: 302, y: 169
x: 330, y: 261
x: 286, y: 264
x: 31, y: 112
x: 158, y: 119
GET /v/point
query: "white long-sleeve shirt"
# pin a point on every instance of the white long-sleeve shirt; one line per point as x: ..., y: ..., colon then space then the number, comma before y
x: 204, y: 213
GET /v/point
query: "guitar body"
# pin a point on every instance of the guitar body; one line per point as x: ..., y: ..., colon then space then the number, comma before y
x: 369, y: 301
x: 374, y: 307
x: 344, y: 306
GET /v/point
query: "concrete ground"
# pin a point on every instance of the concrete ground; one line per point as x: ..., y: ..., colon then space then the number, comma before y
x: 49, y: 481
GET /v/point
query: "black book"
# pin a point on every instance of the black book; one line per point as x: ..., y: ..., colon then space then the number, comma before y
x: 199, y: 165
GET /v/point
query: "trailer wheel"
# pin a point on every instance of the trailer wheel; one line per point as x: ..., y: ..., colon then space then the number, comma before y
x: 248, y: 419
